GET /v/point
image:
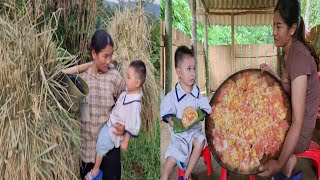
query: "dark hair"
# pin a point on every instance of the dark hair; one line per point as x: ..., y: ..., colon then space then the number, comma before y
x: 99, y: 41
x: 290, y: 11
x: 180, y: 53
x: 139, y: 68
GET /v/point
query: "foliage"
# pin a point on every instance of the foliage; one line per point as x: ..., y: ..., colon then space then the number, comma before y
x: 221, y: 35
x: 142, y: 160
x: 314, y: 16
x: 181, y: 15
x: 155, y: 47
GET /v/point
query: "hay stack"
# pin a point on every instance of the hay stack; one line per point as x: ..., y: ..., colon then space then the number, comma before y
x: 131, y: 34
x: 37, y: 136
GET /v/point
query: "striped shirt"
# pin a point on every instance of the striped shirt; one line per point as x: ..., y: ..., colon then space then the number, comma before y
x: 104, y: 89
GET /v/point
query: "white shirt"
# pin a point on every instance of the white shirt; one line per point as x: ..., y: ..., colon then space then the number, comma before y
x: 126, y: 112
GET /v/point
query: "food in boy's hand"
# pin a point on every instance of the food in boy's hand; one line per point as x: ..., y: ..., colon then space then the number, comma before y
x: 189, y: 116
x: 250, y: 115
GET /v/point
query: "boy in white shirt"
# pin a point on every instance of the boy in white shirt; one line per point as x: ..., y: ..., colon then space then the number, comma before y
x: 185, y: 148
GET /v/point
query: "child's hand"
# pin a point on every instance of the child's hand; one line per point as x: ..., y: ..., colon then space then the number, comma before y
x: 171, y: 123
x: 119, y: 129
x: 124, y: 146
x: 265, y: 67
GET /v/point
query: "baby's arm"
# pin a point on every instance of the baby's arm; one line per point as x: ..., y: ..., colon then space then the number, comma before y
x: 167, y: 109
x: 133, y: 123
x: 125, y: 142
x: 77, y: 69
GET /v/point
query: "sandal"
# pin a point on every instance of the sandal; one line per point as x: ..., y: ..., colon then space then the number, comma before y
x: 92, y: 177
x: 295, y: 176
x: 182, y: 165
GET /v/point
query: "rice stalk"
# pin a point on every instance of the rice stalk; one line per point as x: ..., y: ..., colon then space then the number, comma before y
x: 38, y: 137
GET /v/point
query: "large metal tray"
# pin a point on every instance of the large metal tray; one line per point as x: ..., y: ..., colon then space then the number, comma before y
x: 209, y: 124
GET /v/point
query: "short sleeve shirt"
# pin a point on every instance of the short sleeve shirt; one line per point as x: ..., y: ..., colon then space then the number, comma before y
x: 301, y: 62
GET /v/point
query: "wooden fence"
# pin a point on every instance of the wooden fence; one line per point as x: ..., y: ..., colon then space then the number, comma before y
x: 220, y: 59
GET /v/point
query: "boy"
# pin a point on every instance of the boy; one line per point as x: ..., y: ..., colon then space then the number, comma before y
x: 188, y: 145
x: 127, y: 112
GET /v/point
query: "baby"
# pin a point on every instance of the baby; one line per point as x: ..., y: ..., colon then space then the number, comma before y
x: 127, y: 112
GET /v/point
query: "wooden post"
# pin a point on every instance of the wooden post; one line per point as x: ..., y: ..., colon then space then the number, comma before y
x: 168, y: 46
x: 232, y: 45
x: 162, y: 56
x: 279, y: 59
x: 206, y: 54
x: 194, y: 34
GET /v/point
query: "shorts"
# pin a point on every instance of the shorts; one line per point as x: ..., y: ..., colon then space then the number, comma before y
x: 104, y: 143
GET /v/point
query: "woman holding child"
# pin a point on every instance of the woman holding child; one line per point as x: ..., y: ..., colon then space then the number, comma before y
x: 105, y: 85
x: 300, y: 81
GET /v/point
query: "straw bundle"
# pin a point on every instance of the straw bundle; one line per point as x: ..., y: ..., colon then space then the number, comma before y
x: 131, y: 34
x: 37, y: 136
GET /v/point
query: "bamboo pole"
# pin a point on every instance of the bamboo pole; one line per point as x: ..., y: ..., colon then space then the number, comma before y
x: 235, y: 12
x: 168, y: 46
x: 232, y: 44
x: 202, y: 11
x: 194, y: 35
x: 279, y: 57
x: 206, y: 54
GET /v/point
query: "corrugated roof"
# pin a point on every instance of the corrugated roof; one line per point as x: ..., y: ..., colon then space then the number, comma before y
x: 246, y: 12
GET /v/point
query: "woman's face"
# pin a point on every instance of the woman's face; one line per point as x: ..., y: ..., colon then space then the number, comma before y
x: 282, y: 34
x: 103, y: 58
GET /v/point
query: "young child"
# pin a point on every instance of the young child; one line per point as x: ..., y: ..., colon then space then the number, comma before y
x: 127, y: 112
x: 185, y: 148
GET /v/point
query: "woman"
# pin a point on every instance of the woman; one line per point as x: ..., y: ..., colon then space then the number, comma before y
x: 105, y: 85
x: 300, y: 80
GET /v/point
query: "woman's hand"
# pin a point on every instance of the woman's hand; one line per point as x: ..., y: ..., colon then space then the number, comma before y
x: 270, y: 168
x: 266, y: 67
x: 77, y: 69
x: 119, y: 129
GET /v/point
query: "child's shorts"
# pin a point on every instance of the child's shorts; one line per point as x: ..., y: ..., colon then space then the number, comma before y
x: 104, y: 143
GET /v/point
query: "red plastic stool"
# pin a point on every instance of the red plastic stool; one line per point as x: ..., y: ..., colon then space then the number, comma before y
x: 207, y: 160
x: 223, y: 174
x: 318, y: 116
x: 313, y: 153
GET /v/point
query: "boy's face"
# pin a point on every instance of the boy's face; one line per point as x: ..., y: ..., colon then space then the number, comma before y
x: 132, y: 82
x: 186, y: 71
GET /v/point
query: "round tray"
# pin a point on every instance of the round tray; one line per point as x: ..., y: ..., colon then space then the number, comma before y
x: 210, y: 125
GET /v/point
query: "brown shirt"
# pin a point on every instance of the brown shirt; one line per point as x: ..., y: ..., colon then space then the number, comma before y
x: 104, y: 90
x: 301, y: 62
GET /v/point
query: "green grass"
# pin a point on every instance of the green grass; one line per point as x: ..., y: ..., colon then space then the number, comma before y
x: 142, y: 159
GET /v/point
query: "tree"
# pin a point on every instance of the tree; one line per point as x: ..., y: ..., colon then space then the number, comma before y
x: 314, y: 13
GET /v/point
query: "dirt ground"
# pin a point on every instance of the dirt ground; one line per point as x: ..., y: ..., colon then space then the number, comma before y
x: 199, y: 173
